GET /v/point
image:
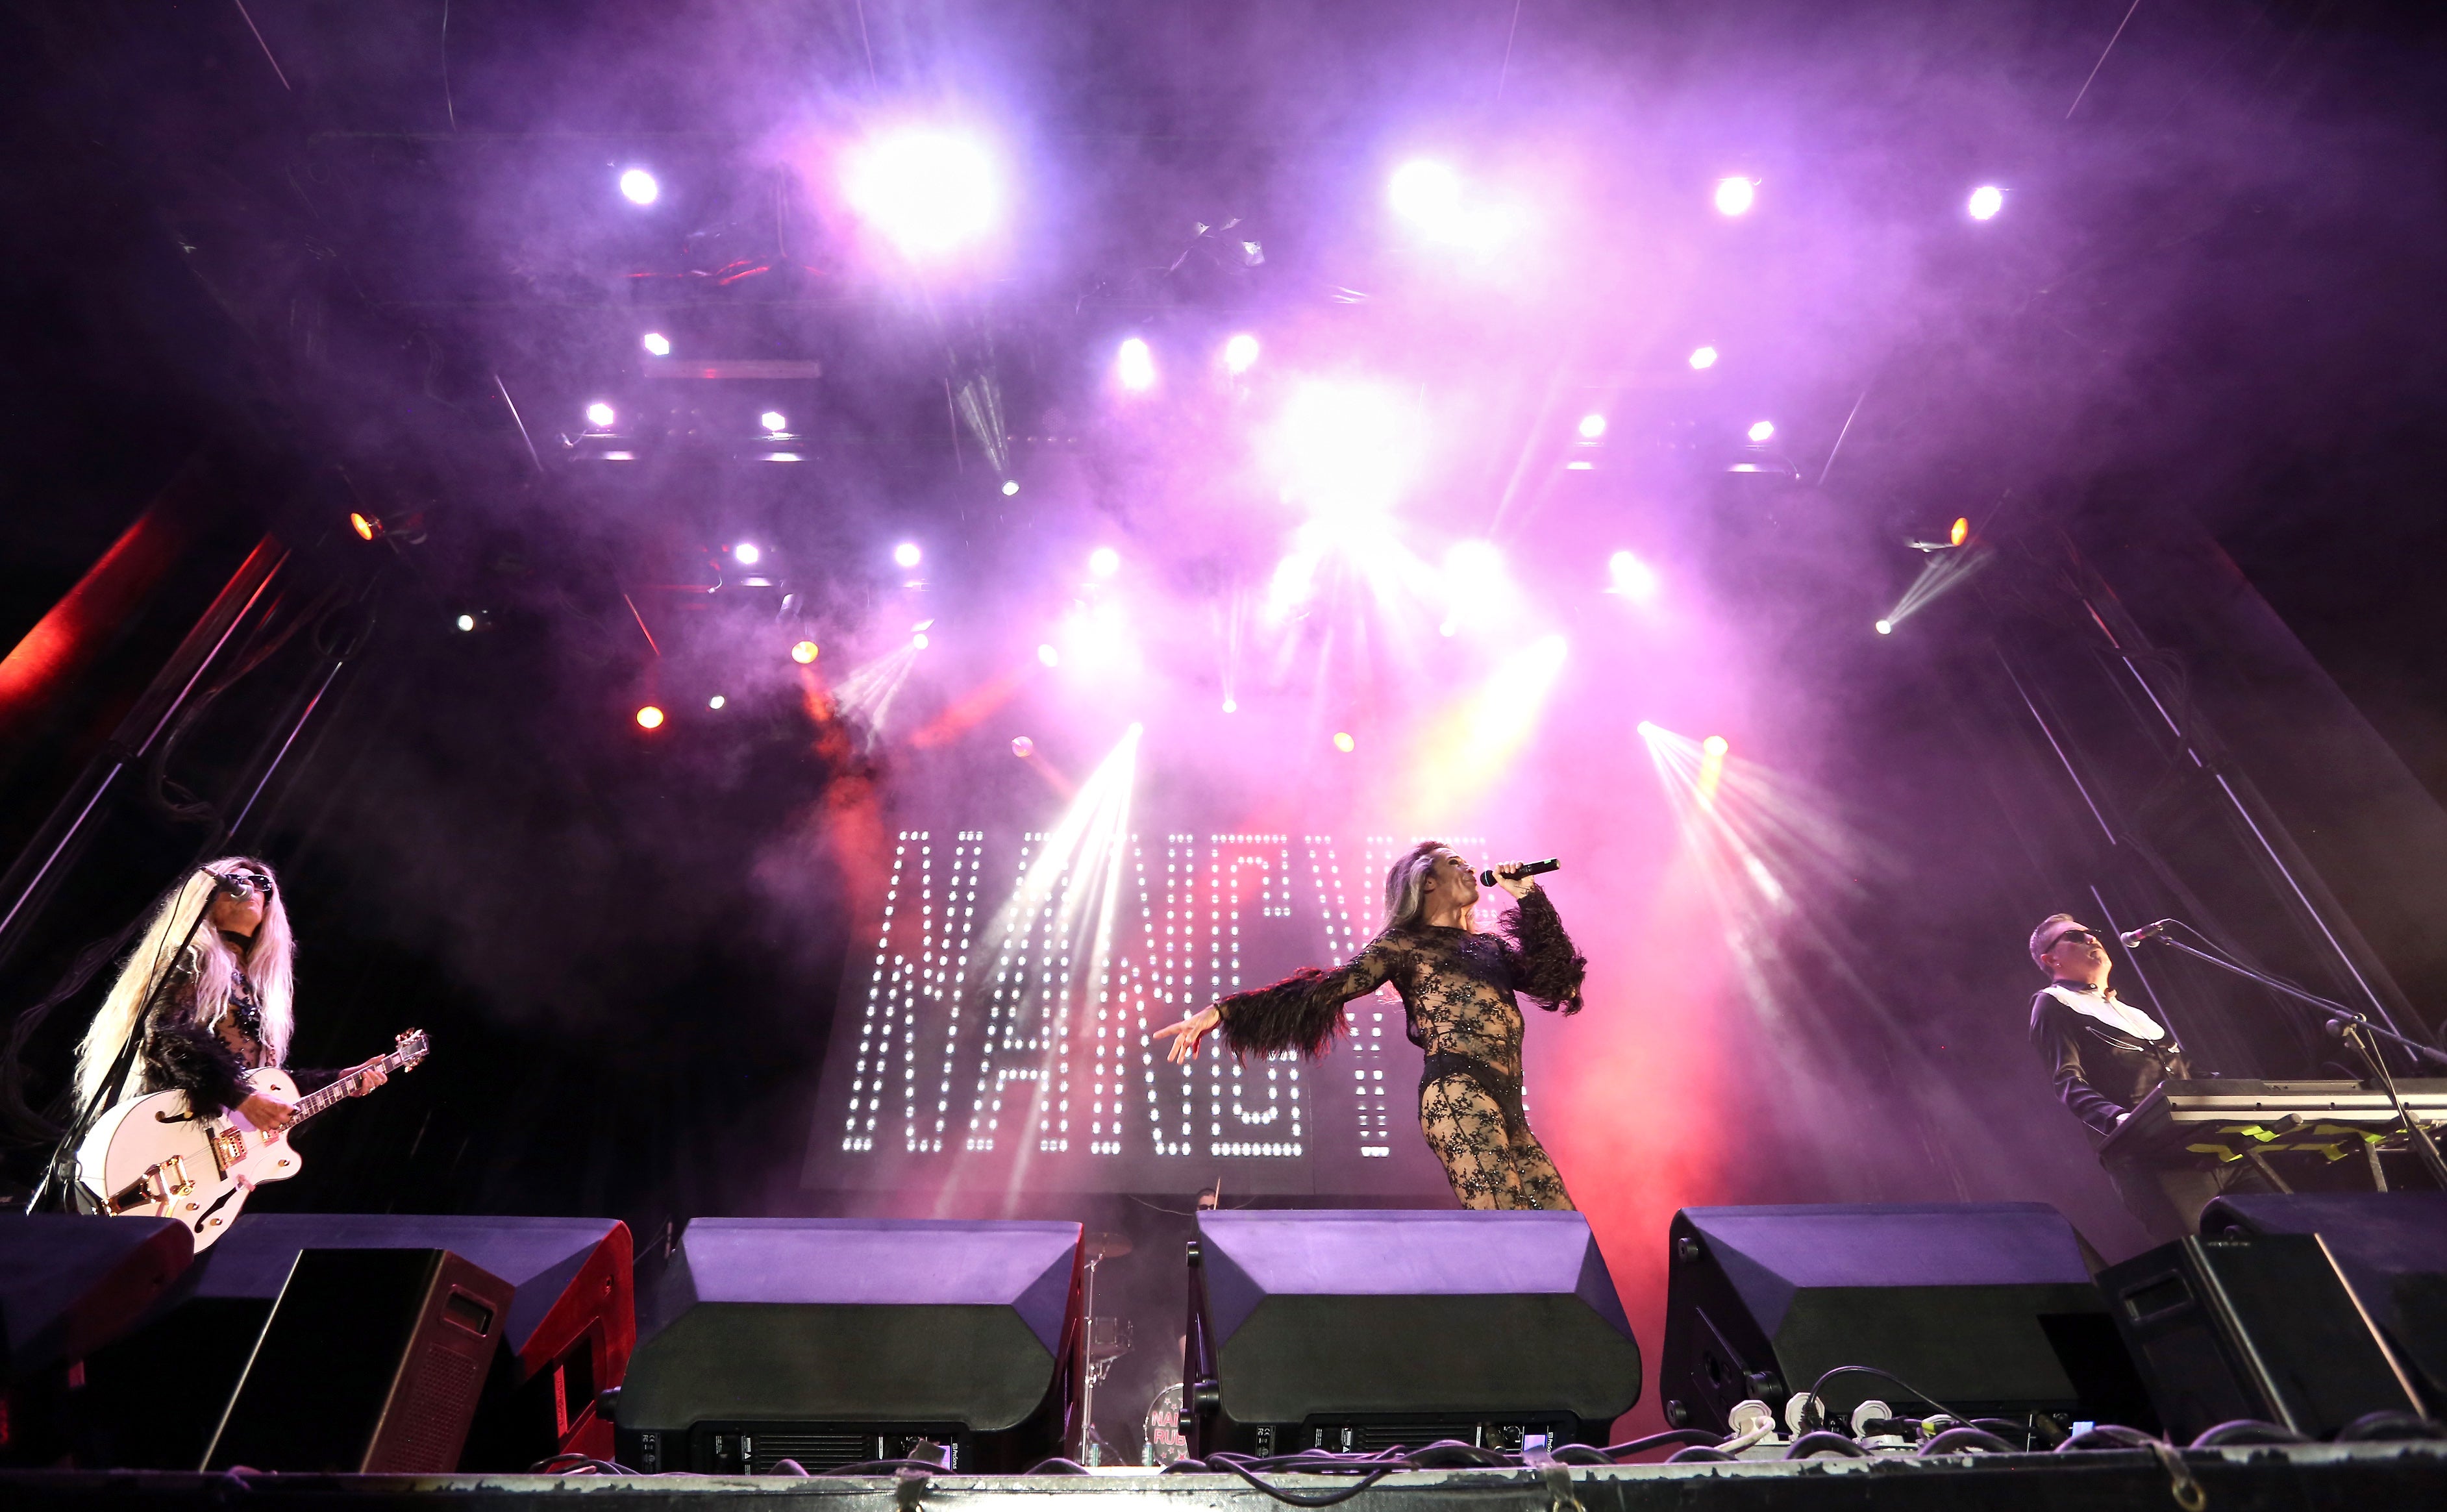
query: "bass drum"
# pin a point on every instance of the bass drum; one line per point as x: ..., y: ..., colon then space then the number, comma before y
x: 1166, y: 1442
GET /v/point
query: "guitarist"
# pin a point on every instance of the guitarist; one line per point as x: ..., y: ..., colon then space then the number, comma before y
x: 210, y: 981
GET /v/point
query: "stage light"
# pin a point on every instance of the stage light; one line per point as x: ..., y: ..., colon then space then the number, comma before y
x: 1240, y: 352
x: 1049, y: 656
x: 929, y: 193
x: 1631, y: 578
x: 1962, y: 531
x: 1343, y: 743
x: 465, y: 622
x: 1022, y: 747
x: 600, y: 415
x: 774, y: 421
x: 1646, y: 728
x: 1760, y: 430
x: 918, y: 640
x: 1104, y: 562
x: 1448, y: 627
x: 907, y: 555
x: 1231, y: 705
x: 366, y: 526
x: 650, y: 718
x: 655, y: 343
x: 1010, y: 487
x: 641, y: 187
x: 1346, y: 448
x: 803, y: 652
x: 1715, y: 746
x: 716, y: 701
x: 1134, y: 365
x: 1886, y: 627
x: 1592, y: 426
x: 1737, y: 194
x: 1703, y: 358
x: 1986, y: 200
x: 747, y: 554
x: 1426, y: 192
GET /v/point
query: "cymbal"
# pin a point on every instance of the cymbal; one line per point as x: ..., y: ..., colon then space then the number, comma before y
x: 1102, y: 1246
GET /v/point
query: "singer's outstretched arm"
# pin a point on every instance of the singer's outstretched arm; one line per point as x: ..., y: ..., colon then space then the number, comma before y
x: 1303, y: 1011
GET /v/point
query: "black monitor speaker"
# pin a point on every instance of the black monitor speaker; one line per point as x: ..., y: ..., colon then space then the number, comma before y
x: 832, y: 1341
x: 1356, y: 1330
x: 2255, y: 1326
x: 571, y: 1325
x: 2391, y: 1248
x: 1984, y: 1308
x: 372, y: 1362
x: 68, y: 1286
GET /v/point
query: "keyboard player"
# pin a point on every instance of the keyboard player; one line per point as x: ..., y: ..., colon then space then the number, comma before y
x: 2106, y: 1056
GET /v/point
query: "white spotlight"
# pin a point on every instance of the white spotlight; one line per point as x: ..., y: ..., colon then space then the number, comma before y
x: 1761, y: 431
x: 1631, y: 578
x: 1592, y: 426
x: 1050, y: 656
x: 1735, y: 195
x: 1010, y: 487
x: 1703, y: 358
x: 467, y: 622
x: 655, y: 343
x: 1104, y: 562
x: 774, y: 421
x: 716, y: 702
x: 1426, y: 192
x: 1886, y: 627
x: 600, y: 415
x: 641, y: 187
x: 1134, y: 365
x: 747, y: 554
x: 1240, y: 352
x: 906, y: 553
x: 1986, y: 200
x: 929, y: 193
x: 1231, y: 705
x: 918, y: 640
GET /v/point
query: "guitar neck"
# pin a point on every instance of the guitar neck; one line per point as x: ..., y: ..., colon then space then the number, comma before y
x: 314, y: 1103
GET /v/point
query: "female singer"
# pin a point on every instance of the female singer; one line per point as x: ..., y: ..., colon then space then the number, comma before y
x: 212, y: 1008
x: 1457, y: 991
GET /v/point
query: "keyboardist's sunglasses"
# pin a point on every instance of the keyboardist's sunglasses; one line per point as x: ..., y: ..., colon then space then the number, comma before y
x: 2082, y: 935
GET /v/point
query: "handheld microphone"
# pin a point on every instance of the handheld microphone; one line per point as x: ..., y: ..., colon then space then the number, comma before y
x: 2134, y: 936
x: 1487, y: 878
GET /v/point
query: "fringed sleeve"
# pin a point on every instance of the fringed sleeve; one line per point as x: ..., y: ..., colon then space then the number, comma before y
x: 1302, y: 1011
x: 196, y: 1063
x: 1545, y: 965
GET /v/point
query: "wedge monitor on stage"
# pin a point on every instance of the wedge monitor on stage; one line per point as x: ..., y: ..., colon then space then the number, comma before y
x: 1356, y: 1330
x: 1985, y: 1307
x: 996, y: 1030
x: 830, y: 1341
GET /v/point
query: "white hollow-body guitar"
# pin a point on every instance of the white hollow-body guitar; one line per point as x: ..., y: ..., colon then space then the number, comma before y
x: 152, y: 1157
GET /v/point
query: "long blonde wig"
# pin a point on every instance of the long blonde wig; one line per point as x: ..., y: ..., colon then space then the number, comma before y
x: 267, y: 962
x: 1406, y: 886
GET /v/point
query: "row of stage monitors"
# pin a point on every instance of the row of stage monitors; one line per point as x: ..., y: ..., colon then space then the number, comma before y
x: 366, y: 1343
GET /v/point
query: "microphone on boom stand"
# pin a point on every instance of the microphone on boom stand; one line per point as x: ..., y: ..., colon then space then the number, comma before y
x: 2134, y: 936
x: 1520, y: 869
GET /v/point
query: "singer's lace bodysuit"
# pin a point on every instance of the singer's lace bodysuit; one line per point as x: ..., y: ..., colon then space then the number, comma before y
x: 1457, y: 991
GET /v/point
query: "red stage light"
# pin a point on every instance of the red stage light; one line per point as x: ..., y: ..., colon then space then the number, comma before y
x: 366, y: 526
x: 1961, y: 532
x: 650, y: 718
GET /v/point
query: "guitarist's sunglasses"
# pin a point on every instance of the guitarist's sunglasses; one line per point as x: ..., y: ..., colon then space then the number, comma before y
x: 240, y: 884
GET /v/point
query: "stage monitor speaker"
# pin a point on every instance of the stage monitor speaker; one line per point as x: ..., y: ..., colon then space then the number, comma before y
x: 372, y: 1361
x: 1356, y: 1330
x: 568, y: 1335
x: 68, y: 1286
x: 1986, y: 1308
x: 831, y: 1341
x: 2392, y: 1250
x: 2254, y: 1327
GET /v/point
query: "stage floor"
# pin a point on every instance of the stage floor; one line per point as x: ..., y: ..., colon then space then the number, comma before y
x: 2363, y: 1478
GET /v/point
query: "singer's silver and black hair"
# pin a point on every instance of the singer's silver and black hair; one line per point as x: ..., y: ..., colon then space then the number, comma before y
x: 1406, y: 886
x: 2043, y: 939
x: 267, y: 960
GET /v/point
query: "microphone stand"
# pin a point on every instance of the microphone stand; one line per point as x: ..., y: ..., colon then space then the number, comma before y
x: 65, y: 1166
x: 2359, y: 1032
